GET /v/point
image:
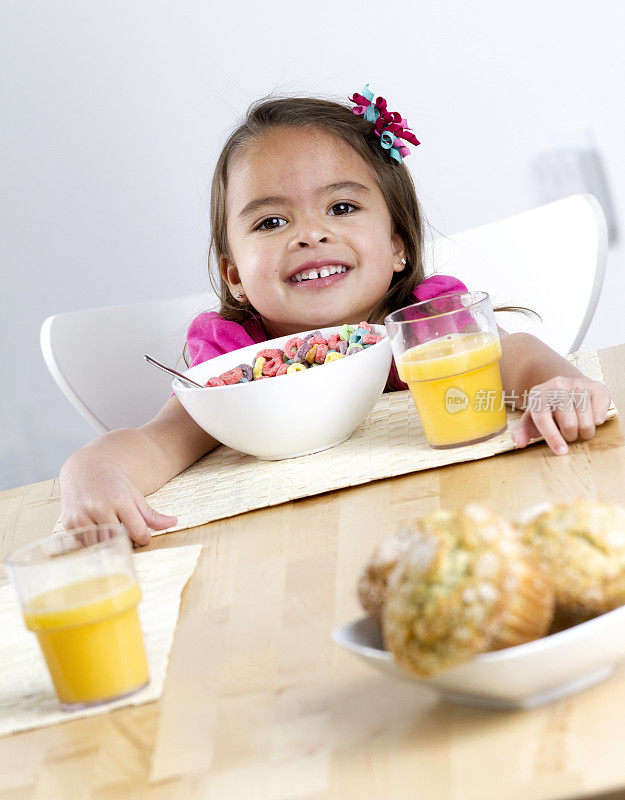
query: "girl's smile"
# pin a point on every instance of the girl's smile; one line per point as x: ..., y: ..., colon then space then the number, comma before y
x: 319, y: 273
x: 310, y: 236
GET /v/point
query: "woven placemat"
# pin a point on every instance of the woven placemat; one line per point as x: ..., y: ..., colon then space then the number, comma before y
x: 391, y: 442
x: 27, y: 698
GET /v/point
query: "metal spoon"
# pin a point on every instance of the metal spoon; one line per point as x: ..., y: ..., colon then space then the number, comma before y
x: 171, y: 371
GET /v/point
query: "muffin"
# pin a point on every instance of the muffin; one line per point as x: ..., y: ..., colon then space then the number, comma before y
x: 373, y: 583
x: 465, y: 585
x: 580, y: 546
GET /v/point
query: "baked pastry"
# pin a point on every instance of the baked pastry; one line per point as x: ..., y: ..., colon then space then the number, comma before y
x: 465, y: 586
x: 373, y: 583
x: 580, y: 546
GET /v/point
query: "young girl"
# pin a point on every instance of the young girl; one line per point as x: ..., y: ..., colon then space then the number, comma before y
x: 315, y: 222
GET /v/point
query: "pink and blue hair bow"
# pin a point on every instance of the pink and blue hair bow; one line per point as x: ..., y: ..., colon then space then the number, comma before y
x: 389, y: 126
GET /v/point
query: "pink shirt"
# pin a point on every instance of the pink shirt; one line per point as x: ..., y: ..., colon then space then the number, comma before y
x: 210, y: 335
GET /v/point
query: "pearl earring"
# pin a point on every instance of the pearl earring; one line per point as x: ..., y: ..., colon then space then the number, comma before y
x: 402, y: 261
x: 238, y: 295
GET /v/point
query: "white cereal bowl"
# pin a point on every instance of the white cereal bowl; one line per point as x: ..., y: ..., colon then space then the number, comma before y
x: 524, y: 676
x: 289, y: 415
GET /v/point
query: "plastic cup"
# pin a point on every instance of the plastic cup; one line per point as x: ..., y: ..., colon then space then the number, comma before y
x: 78, y: 592
x: 447, y: 350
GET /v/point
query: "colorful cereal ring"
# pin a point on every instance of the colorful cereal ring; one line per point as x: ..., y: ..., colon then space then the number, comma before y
x: 270, y: 370
x: 303, y: 350
x: 272, y: 352
x: 273, y: 359
x: 333, y: 341
x: 346, y: 331
x: 282, y: 369
x: 318, y: 340
x: 343, y: 348
x: 333, y: 356
x: 257, y: 370
x: 247, y: 371
x: 354, y: 348
x: 320, y: 355
x: 232, y: 376
x: 295, y: 368
x: 366, y: 326
x: 292, y: 346
x: 310, y: 355
x: 215, y: 382
x: 372, y: 338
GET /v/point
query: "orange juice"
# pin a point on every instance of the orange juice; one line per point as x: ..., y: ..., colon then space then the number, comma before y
x: 90, y: 636
x: 456, y: 386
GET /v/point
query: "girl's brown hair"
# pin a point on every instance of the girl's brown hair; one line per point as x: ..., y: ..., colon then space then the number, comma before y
x: 394, y: 180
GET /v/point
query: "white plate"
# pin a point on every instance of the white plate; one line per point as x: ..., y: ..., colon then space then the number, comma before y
x: 518, y: 677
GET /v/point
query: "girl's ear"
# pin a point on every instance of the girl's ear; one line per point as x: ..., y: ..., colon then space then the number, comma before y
x: 229, y: 273
x: 399, y: 253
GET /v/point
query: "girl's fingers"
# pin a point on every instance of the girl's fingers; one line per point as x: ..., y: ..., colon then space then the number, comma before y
x: 586, y: 421
x: 133, y: 521
x: 154, y: 519
x: 72, y: 521
x: 548, y: 429
x: 524, y: 430
x: 567, y: 423
x: 106, y: 521
x: 600, y: 402
x: 84, y: 520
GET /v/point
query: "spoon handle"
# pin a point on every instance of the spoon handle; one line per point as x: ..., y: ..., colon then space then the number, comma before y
x: 171, y: 371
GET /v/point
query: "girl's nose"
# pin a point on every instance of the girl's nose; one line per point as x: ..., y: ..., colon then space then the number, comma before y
x: 310, y: 233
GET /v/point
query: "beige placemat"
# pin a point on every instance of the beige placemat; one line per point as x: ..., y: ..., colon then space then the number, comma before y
x: 391, y: 442
x: 27, y: 698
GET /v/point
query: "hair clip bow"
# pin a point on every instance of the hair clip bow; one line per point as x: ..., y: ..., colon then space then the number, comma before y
x: 389, y: 126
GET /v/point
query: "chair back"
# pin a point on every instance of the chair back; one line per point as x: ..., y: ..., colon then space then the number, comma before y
x: 551, y: 259
x: 96, y: 357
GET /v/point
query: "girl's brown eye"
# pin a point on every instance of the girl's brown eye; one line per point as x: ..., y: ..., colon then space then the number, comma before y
x: 259, y: 227
x: 343, y: 205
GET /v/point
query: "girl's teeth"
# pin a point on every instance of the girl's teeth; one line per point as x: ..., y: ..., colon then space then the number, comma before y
x: 324, y: 272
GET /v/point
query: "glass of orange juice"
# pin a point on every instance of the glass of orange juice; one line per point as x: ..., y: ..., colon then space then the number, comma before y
x: 79, y: 594
x: 447, y: 350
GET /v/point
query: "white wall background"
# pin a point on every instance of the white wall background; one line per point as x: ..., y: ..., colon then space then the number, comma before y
x: 113, y: 114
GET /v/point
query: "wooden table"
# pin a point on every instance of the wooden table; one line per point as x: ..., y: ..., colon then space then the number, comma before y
x: 258, y: 701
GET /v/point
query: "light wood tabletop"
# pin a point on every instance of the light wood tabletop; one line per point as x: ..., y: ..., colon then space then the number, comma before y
x: 259, y: 702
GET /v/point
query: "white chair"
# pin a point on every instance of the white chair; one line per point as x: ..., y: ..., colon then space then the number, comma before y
x: 96, y: 357
x: 551, y: 259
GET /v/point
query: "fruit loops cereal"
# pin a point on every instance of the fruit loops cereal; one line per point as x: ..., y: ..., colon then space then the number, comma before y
x: 301, y: 354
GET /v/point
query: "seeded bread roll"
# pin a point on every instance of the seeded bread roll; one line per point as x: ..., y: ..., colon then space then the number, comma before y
x: 580, y: 546
x: 373, y: 583
x: 465, y: 586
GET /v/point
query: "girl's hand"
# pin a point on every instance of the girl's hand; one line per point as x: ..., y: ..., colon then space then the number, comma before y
x: 560, y: 410
x: 96, y: 491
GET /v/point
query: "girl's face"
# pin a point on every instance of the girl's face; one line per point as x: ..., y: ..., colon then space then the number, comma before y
x: 297, y: 196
